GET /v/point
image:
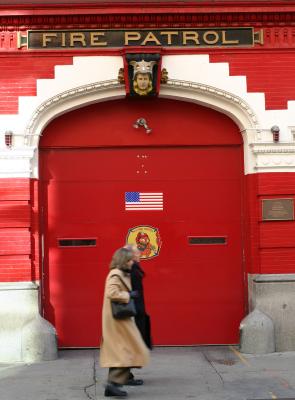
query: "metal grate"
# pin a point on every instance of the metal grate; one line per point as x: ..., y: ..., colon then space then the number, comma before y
x: 77, y: 242
x: 207, y: 240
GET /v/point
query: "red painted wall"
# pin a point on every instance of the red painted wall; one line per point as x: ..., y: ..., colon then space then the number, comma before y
x: 117, y: 118
x: 272, y: 73
x: 270, y: 244
x: 268, y: 71
x: 18, y: 75
x: 89, y: 158
x: 18, y: 230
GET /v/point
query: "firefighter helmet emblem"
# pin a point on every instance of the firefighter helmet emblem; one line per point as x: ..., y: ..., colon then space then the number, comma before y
x: 147, y: 239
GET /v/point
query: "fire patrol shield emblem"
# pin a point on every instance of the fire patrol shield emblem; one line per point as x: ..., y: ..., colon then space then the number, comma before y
x: 147, y: 239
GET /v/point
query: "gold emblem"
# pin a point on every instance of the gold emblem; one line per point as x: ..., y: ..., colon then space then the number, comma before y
x: 147, y: 240
x: 164, y: 75
x: 121, y: 78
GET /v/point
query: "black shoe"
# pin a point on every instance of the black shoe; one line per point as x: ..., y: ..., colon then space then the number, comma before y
x: 134, y: 382
x: 112, y: 390
x: 131, y: 376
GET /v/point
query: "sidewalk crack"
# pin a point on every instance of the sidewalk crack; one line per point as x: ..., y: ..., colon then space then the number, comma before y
x: 86, y: 388
x: 214, y: 368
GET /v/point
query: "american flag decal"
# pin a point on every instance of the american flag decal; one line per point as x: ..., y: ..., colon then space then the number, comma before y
x: 143, y: 201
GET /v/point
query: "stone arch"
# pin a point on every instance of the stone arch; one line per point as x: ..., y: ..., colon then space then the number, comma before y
x: 218, y: 99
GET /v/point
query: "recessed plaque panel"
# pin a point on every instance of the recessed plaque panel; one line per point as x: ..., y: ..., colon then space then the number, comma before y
x: 278, y: 209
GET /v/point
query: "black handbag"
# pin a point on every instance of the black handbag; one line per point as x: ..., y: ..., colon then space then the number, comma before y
x: 123, y: 310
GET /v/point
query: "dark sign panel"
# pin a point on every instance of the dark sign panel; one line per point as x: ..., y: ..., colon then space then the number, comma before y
x: 278, y: 210
x: 205, y: 37
x: 207, y: 240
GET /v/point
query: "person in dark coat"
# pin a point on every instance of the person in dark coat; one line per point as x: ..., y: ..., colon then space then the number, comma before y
x: 142, y: 319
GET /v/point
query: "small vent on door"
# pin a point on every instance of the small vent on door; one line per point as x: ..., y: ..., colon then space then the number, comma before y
x: 207, y: 240
x: 77, y: 242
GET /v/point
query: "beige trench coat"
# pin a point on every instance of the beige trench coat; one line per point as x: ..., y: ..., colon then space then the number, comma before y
x: 122, y: 344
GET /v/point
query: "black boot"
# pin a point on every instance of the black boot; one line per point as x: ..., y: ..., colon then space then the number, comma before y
x: 112, y: 390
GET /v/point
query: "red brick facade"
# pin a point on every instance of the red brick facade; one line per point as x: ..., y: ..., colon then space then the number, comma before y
x: 269, y: 69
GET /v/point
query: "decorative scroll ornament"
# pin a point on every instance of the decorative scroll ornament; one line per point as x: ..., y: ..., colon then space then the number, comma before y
x: 164, y: 76
x: 121, y: 77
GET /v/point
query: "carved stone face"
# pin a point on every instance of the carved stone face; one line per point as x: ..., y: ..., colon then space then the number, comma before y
x: 142, y: 81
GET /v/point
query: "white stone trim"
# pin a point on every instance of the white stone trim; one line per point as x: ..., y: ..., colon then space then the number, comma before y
x: 218, y: 99
x: 19, y: 285
x: 274, y: 156
x: 17, y: 162
x: 208, y: 91
x: 69, y: 100
x: 221, y: 100
x: 191, y: 78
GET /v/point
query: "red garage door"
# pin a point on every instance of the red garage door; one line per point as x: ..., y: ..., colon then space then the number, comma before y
x: 194, y: 282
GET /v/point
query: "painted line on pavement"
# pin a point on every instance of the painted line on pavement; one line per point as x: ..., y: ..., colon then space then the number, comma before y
x: 239, y: 355
x: 244, y: 361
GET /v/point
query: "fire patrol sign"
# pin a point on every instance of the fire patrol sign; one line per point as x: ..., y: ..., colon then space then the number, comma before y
x: 113, y: 38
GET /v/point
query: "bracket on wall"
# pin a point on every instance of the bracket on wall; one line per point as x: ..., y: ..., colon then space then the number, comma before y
x: 141, y: 122
x: 258, y: 37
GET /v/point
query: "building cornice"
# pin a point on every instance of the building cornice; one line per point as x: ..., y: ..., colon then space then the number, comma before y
x: 273, y: 148
x: 185, y: 18
x: 130, y: 7
x: 274, y: 156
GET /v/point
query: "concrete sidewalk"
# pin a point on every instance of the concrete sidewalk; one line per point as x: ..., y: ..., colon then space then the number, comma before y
x: 202, y: 373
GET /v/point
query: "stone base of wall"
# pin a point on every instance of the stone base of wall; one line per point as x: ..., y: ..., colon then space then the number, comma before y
x: 274, y: 295
x: 24, y: 335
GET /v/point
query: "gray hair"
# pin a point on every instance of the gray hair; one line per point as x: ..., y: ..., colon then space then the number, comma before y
x: 120, y: 258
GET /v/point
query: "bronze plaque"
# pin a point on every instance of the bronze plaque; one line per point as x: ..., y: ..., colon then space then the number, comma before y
x: 278, y: 210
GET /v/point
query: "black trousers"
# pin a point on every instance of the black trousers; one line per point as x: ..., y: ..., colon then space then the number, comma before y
x: 118, y: 375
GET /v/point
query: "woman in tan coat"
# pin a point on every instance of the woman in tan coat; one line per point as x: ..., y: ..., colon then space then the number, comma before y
x: 122, y: 346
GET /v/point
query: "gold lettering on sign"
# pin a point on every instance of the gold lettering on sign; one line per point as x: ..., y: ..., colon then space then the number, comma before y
x: 77, y: 37
x: 169, y: 35
x: 63, y: 39
x: 94, y: 39
x: 211, y: 41
x: 150, y: 37
x: 190, y: 36
x: 225, y: 41
x: 129, y: 36
x: 116, y: 38
x: 46, y: 38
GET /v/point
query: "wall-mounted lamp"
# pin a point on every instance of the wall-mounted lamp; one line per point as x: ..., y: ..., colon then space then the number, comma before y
x: 141, y: 122
x: 8, y: 138
x: 275, y: 130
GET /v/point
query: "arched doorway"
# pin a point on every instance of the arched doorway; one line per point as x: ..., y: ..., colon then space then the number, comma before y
x: 89, y: 159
